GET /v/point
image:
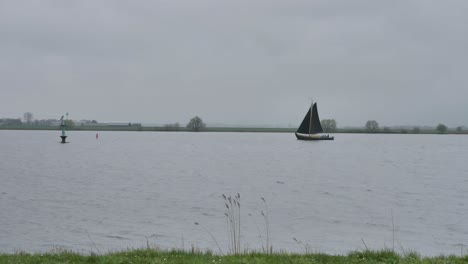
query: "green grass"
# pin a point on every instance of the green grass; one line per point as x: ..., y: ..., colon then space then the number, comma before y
x: 156, y: 256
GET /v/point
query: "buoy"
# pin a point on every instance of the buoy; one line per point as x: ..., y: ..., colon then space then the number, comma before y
x: 97, y: 135
x: 62, y: 125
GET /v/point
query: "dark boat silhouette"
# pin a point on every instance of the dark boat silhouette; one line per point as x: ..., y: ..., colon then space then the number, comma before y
x: 310, y: 127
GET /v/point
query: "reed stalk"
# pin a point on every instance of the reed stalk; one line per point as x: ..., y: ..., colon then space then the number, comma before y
x: 214, y: 239
x: 233, y: 221
x: 269, y: 247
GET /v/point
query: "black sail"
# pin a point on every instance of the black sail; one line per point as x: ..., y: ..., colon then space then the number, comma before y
x: 316, y: 127
x: 304, y: 127
x: 311, y: 125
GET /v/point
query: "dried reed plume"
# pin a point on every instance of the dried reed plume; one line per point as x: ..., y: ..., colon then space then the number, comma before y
x: 233, y: 222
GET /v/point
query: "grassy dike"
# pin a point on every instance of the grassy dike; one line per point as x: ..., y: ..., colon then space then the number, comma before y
x: 156, y: 256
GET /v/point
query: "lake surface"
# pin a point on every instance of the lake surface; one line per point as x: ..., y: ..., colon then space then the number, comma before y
x: 127, y: 189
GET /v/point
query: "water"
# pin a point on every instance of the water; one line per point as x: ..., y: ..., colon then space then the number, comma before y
x: 127, y: 189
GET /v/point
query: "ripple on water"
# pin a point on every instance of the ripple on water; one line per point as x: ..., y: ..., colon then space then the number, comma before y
x: 129, y: 186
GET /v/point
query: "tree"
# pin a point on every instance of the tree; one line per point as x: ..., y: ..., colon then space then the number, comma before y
x: 196, y: 124
x: 69, y: 124
x: 138, y: 126
x: 28, y: 117
x: 459, y: 129
x: 329, y: 125
x: 387, y: 130
x: 372, y: 126
x: 10, y: 122
x: 170, y: 127
x: 416, y: 130
x: 441, y: 128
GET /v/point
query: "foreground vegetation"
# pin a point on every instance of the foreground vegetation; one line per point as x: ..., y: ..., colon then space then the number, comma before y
x: 156, y: 256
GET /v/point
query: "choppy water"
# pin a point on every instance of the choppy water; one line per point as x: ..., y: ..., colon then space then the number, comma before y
x: 127, y: 188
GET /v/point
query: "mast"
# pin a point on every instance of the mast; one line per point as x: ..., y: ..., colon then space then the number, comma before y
x: 311, y: 106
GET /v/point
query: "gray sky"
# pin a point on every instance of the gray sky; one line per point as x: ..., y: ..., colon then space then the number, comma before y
x: 236, y: 62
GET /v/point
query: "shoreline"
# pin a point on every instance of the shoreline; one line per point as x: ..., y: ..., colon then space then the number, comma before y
x: 150, y: 255
x: 231, y: 129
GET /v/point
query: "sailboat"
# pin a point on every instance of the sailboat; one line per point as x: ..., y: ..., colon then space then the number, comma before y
x: 311, y: 127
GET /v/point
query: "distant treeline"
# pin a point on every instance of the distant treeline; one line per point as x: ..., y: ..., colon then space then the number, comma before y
x: 226, y: 129
x: 197, y: 124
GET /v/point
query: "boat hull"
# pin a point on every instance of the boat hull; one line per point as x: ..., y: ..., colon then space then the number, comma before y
x: 313, y: 137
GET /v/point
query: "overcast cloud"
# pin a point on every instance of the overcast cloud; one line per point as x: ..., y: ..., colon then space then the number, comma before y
x: 236, y: 62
